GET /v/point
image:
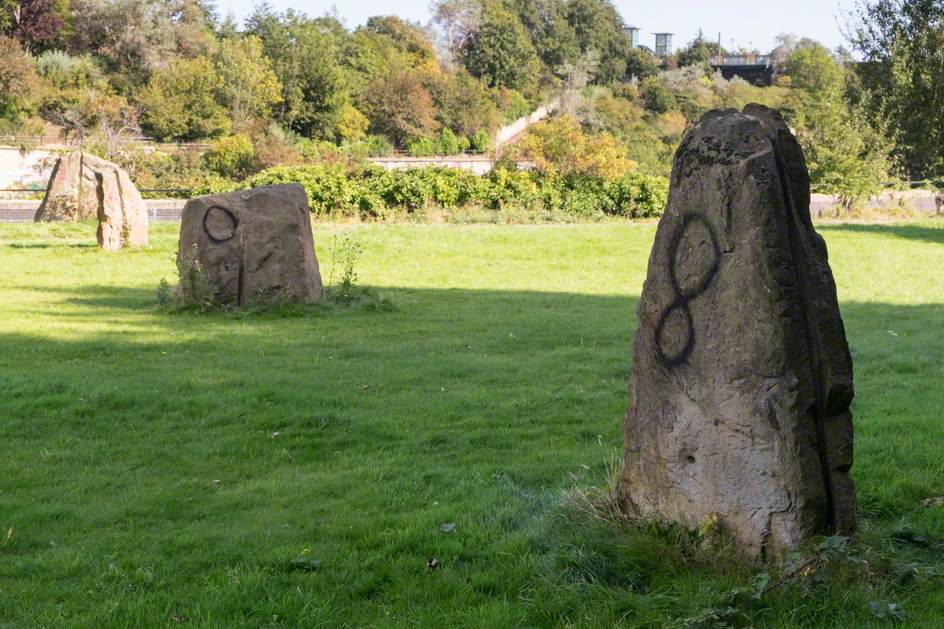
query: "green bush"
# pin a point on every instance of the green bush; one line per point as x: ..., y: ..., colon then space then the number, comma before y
x: 378, y: 146
x: 328, y: 187
x: 479, y: 140
x: 421, y: 147
x: 635, y: 195
x: 371, y: 146
x: 448, y: 143
x: 373, y: 192
x: 231, y: 156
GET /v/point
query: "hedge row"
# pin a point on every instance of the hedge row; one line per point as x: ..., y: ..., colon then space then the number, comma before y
x: 375, y: 192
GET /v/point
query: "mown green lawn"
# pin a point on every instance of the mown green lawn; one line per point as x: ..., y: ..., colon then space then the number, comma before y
x: 163, y: 469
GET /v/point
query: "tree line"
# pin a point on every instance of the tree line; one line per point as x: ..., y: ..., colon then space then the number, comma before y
x: 285, y: 88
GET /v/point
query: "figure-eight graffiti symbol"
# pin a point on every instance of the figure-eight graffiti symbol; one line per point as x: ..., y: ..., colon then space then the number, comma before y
x: 684, y: 295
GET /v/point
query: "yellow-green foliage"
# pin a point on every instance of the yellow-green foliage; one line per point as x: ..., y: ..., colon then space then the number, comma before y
x: 180, y: 103
x: 560, y: 146
x: 231, y: 156
x: 249, y: 87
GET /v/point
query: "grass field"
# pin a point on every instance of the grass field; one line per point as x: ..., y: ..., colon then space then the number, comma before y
x: 297, y: 468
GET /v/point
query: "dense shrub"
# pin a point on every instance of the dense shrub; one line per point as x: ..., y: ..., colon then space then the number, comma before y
x: 328, y: 186
x: 479, y: 141
x: 635, y: 195
x: 421, y: 147
x: 373, y: 192
x: 231, y: 156
x: 448, y: 143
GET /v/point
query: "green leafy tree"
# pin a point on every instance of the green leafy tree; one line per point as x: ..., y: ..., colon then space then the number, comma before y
x: 180, y: 103
x: 383, y: 47
x: 352, y: 124
x: 698, y: 52
x: 19, y: 82
x: 407, y: 38
x: 598, y: 26
x: 657, y: 97
x: 304, y: 55
x: 231, y: 156
x: 845, y: 155
x: 250, y: 87
x: 815, y: 69
x: 500, y: 51
x: 136, y: 37
x: 901, y: 42
x: 641, y: 64
x: 554, y: 39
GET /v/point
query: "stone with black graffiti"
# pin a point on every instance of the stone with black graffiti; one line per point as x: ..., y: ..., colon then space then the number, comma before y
x: 248, y: 246
x: 741, y: 378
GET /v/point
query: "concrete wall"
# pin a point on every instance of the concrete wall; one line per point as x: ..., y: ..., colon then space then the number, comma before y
x: 890, y: 202
x: 511, y: 132
x: 21, y: 167
x: 478, y: 164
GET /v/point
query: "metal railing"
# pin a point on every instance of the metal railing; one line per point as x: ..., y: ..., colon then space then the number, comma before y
x: 740, y: 60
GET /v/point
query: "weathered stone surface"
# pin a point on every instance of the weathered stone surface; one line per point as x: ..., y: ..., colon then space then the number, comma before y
x: 741, y: 379
x: 84, y: 186
x: 242, y: 246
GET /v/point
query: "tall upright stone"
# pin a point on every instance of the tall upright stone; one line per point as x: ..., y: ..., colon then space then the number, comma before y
x: 243, y: 246
x: 741, y: 379
x: 84, y: 186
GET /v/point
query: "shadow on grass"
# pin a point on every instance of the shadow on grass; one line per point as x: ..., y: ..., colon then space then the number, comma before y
x: 46, y: 245
x: 367, y: 432
x: 911, y: 232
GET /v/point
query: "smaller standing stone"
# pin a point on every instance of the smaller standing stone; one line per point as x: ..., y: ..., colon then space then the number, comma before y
x: 83, y: 186
x: 242, y: 246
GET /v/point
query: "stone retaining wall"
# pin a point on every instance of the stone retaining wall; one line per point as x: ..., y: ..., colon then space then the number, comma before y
x: 891, y: 202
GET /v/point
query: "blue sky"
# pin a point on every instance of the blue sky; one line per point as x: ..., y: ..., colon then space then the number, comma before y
x: 749, y: 23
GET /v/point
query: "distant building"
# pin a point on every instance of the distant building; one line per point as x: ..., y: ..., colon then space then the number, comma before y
x: 753, y: 68
x: 632, y: 33
x: 663, y: 44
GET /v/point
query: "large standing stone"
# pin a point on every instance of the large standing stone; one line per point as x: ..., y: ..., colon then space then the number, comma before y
x: 741, y: 379
x: 253, y: 244
x: 83, y: 186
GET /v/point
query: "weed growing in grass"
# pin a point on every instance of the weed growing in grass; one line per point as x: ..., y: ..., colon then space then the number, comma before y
x: 194, y: 291
x: 165, y: 293
x: 345, y: 252
x: 194, y: 294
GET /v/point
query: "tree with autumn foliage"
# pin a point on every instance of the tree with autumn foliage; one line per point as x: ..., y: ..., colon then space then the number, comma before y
x: 560, y: 146
x: 400, y: 108
x: 34, y: 23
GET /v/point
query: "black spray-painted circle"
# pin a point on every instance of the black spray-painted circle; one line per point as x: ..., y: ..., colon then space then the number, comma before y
x: 682, y: 297
x: 219, y: 224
